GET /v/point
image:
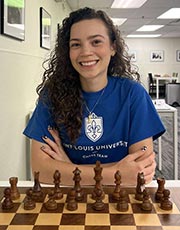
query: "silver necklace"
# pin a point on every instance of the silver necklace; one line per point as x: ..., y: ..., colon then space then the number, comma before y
x: 96, y: 103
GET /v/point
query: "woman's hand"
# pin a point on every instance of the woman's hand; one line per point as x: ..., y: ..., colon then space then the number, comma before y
x: 137, y: 162
x: 54, y: 148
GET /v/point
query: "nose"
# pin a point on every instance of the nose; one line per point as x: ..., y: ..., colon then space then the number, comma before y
x: 86, y: 49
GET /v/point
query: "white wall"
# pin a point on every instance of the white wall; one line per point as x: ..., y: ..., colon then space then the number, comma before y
x: 143, y: 48
x: 21, y: 71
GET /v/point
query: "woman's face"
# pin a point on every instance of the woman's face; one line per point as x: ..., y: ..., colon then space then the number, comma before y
x: 90, y: 50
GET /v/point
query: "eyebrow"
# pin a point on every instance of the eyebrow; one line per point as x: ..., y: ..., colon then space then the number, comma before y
x: 89, y: 38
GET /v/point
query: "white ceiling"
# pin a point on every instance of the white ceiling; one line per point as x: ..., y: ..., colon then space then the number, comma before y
x: 145, y: 15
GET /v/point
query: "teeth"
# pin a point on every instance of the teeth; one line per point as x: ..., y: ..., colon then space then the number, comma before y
x: 88, y: 63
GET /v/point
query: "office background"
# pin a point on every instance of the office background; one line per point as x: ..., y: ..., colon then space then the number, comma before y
x: 21, y: 71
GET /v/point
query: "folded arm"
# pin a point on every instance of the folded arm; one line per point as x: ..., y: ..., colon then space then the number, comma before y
x: 46, y: 158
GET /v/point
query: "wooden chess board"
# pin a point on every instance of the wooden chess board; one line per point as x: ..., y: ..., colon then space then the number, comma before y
x: 86, y: 218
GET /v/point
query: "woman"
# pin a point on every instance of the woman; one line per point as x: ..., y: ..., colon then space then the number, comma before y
x: 91, y: 107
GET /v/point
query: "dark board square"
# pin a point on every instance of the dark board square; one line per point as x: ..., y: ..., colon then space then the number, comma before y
x: 91, y: 210
x: 4, y: 227
x: 97, y: 228
x: 72, y: 219
x: 59, y: 209
x: 12, y: 210
x: 169, y: 219
x: 24, y: 219
x: 122, y: 219
x: 136, y: 207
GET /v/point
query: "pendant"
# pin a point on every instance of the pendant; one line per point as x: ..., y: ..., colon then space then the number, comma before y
x: 89, y: 118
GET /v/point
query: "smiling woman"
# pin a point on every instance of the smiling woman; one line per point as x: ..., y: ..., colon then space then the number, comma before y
x: 90, y: 53
x: 90, y: 106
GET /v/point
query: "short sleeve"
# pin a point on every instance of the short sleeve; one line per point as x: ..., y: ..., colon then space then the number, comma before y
x: 144, y: 119
x: 37, y: 126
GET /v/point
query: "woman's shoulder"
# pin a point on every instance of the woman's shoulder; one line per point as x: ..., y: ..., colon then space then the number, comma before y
x: 124, y: 81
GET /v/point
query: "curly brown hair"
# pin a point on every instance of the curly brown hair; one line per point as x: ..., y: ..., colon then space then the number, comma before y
x: 61, y: 81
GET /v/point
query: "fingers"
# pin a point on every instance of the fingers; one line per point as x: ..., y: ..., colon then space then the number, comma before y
x: 51, y: 153
x: 149, y: 172
x: 51, y: 143
x: 137, y: 155
x: 55, y: 135
x: 142, y: 161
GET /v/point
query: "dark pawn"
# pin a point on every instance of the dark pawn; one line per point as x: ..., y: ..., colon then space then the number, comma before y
x: 160, y: 190
x: 71, y: 201
x: 166, y: 204
x: 7, y: 202
x: 146, y: 204
x: 15, y: 194
x: 99, y: 204
x: 37, y: 192
x: 29, y: 203
x: 122, y: 204
x: 51, y: 203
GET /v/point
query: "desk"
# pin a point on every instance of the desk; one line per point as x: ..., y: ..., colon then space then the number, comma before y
x: 162, y: 78
x: 165, y: 110
x: 86, y: 218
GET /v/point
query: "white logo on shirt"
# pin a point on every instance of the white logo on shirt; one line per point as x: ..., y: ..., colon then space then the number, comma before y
x: 94, y: 127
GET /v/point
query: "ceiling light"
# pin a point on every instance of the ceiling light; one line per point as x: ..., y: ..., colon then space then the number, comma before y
x: 150, y: 28
x: 143, y: 35
x: 118, y: 21
x: 127, y: 3
x: 170, y: 14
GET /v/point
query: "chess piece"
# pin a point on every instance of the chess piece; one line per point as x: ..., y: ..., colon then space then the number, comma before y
x: 37, y: 186
x: 57, y: 190
x: 51, y: 204
x: 99, y: 204
x: 140, y: 186
x: 160, y: 190
x: 122, y: 204
x: 15, y: 194
x: 7, y: 202
x: 98, y: 178
x: 77, y: 186
x: 116, y: 193
x: 166, y: 204
x: 29, y: 203
x: 71, y: 201
x: 146, y: 204
x: 37, y: 194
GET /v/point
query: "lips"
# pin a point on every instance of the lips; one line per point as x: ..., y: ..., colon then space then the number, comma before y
x: 88, y: 63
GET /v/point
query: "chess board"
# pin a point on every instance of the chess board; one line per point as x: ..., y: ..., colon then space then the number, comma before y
x: 86, y: 218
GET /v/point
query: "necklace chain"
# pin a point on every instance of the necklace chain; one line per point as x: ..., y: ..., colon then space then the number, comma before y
x: 96, y: 103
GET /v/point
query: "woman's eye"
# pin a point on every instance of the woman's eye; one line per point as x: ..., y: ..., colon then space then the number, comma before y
x: 74, y: 45
x: 97, y: 42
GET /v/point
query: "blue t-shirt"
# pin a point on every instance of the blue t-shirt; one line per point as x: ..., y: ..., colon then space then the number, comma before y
x: 123, y: 116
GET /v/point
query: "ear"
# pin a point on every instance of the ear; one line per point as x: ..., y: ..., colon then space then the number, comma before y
x: 113, y: 53
x: 113, y: 48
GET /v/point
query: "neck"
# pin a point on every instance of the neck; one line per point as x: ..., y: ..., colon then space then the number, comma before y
x: 93, y: 85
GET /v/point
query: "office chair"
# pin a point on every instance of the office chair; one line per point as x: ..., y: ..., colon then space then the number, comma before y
x: 152, y: 84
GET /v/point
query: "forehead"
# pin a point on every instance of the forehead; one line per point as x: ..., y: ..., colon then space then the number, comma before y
x: 88, y: 27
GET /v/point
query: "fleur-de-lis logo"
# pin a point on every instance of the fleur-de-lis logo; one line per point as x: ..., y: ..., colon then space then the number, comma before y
x: 94, y: 127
